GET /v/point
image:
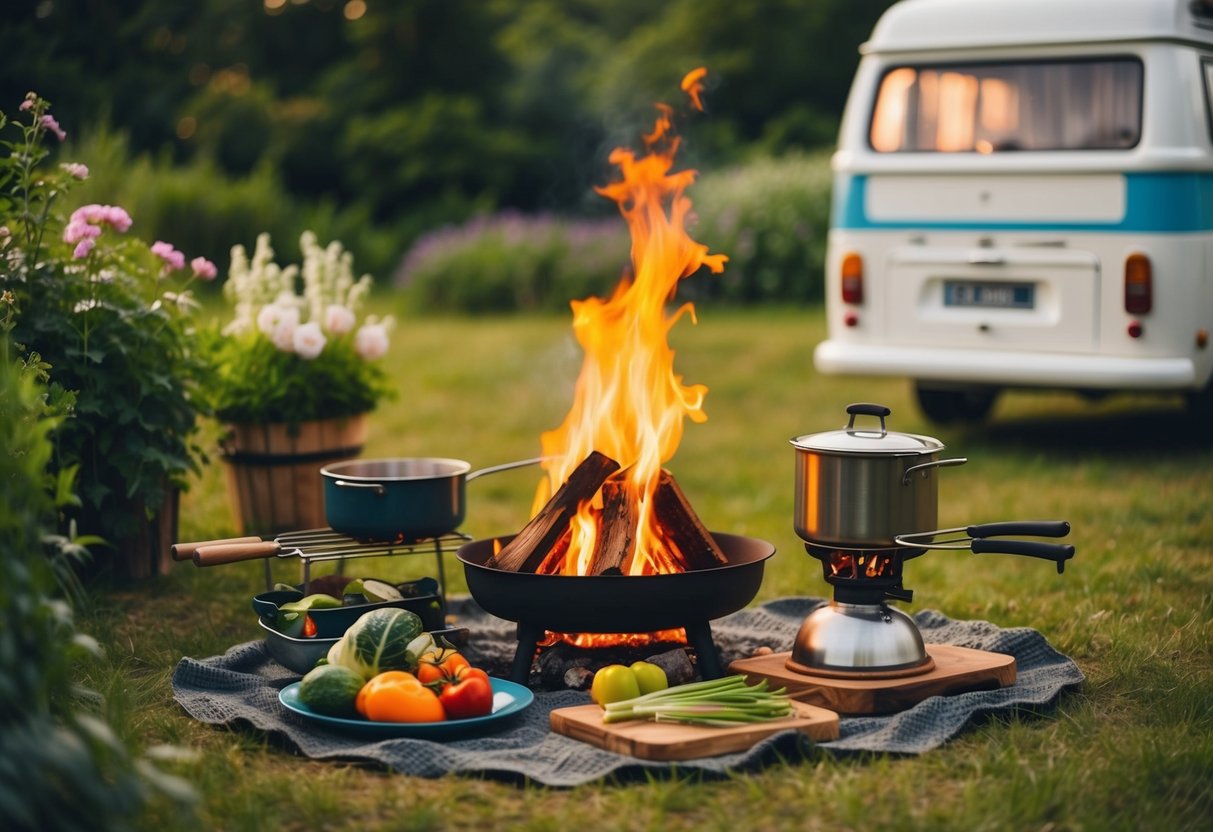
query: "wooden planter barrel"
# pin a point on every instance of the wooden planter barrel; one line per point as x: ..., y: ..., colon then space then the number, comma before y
x: 273, y: 470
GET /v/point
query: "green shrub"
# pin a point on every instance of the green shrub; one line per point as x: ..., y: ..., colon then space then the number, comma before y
x: 206, y: 211
x: 59, y: 768
x: 770, y: 217
x: 510, y: 262
x: 110, y: 317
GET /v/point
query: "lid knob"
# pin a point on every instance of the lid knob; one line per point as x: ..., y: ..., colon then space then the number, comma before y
x: 867, y: 409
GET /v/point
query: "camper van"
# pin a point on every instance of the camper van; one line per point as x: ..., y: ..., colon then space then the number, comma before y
x: 1023, y: 198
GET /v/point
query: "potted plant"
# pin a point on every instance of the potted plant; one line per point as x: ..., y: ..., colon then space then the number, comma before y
x: 296, y: 372
x: 106, y: 319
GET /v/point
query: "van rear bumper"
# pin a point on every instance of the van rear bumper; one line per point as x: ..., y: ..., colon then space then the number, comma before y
x: 1006, y: 368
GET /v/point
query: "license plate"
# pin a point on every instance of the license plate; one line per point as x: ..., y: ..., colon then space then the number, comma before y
x: 989, y: 295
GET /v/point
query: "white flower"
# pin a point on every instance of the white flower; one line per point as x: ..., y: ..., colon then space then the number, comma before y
x: 274, y: 317
x: 339, y: 319
x: 308, y: 340
x: 371, y: 341
x: 284, y: 336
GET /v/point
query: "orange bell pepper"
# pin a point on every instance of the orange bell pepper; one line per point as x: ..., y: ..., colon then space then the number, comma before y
x: 397, y: 696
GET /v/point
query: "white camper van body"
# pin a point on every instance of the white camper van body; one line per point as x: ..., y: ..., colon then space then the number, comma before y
x: 1004, y: 167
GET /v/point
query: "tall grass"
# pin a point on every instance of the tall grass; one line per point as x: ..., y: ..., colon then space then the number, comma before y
x: 1132, y: 750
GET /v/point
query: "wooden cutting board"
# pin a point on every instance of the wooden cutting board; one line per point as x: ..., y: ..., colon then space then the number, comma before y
x: 670, y: 741
x: 956, y: 670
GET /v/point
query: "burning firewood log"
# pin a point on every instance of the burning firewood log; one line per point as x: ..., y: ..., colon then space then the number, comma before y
x: 544, y: 542
x: 617, y: 536
x: 697, y: 549
x: 534, y: 543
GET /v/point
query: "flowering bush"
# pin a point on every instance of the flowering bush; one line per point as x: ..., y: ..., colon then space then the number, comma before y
x: 98, y: 310
x: 513, y: 262
x: 294, y: 349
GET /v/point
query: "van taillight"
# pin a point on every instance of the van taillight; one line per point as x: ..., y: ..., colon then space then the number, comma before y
x: 1139, y: 284
x: 852, y: 278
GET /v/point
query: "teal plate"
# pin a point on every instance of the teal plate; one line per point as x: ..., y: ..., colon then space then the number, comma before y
x: 521, y: 699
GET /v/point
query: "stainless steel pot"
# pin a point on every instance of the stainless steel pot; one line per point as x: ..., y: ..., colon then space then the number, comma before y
x: 862, y: 487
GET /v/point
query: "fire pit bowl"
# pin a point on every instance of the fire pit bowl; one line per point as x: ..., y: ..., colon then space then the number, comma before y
x: 617, y: 603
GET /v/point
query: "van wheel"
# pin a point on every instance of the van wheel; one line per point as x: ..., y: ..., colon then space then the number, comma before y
x: 1200, y: 402
x: 946, y: 405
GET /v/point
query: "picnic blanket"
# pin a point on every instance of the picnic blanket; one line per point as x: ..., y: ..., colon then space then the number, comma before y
x: 241, y: 687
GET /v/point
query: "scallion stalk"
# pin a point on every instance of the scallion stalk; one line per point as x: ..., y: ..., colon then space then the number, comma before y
x: 727, y: 701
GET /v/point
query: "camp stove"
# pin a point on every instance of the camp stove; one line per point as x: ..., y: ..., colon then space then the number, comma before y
x: 866, y: 504
x: 859, y: 654
x: 859, y: 632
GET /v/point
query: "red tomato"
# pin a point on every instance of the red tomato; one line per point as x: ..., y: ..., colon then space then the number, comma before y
x: 469, y: 694
x: 440, y: 667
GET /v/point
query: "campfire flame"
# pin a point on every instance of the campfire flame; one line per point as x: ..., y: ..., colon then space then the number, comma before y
x: 629, y: 403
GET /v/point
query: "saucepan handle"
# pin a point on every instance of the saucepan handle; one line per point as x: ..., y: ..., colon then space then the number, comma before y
x: 1057, y: 552
x: 1032, y: 528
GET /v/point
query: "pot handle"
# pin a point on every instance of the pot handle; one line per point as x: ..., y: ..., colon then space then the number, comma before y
x: 867, y: 409
x: 941, y: 463
x: 377, y: 487
x: 185, y: 551
x: 505, y: 466
x: 1036, y: 528
x: 233, y: 552
x: 1058, y: 552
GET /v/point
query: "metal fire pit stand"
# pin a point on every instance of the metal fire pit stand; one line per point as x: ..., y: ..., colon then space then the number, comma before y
x: 699, y: 637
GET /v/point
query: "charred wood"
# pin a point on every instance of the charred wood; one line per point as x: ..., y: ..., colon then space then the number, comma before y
x: 617, y: 527
x: 534, y: 543
x: 697, y: 549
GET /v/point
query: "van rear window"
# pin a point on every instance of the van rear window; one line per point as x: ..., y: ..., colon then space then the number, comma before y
x: 1014, y: 106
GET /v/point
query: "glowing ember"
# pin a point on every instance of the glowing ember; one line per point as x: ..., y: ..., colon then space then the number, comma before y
x: 628, y: 402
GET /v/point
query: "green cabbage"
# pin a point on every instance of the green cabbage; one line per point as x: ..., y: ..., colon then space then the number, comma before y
x: 383, y: 639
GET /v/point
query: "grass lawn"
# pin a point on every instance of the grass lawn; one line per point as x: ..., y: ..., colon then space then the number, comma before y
x: 1133, y: 750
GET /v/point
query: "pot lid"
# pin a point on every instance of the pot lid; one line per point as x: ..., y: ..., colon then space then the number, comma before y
x: 869, y: 440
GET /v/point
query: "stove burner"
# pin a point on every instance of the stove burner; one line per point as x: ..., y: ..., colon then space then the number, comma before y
x: 864, y: 576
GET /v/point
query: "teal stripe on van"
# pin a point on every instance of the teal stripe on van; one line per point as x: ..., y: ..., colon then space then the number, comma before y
x: 1156, y: 203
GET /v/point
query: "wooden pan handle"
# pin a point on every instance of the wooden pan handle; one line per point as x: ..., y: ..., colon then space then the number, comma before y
x: 185, y: 551
x: 232, y: 552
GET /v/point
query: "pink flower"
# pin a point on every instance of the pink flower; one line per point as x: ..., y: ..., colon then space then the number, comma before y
x: 371, y: 341
x: 117, y: 218
x: 204, y: 268
x: 48, y: 121
x: 83, y: 248
x: 283, y: 336
x: 173, y: 259
x: 339, y: 319
x: 308, y: 340
x: 94, y: 214
x: 78, y: 230
x: 27, y: 104
x: 77, y: 170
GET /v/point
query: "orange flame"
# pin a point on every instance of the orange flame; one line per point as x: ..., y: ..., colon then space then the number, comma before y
x: 629, y: 403
x: 692, y: 85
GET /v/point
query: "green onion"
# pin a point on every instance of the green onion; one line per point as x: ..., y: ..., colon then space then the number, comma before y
x: 727, y: 701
